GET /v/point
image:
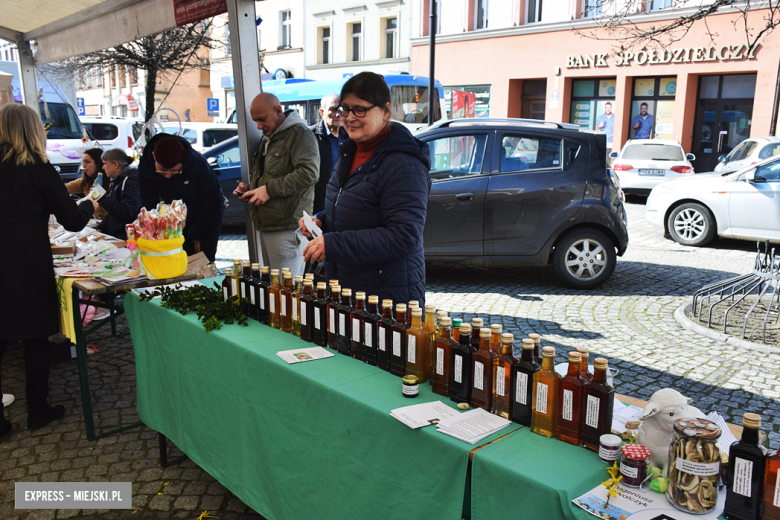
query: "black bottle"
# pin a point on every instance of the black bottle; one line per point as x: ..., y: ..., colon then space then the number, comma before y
x: 262, y: 294
x: 320, y: 318
x: 307, y: 312
x: 333, y: 320
x: 370, y: 324
x: 747, y: 463
x: 522, y: 384
x: 384, y: 336
x: 397, y: 344
x: 358, y: 316
x: 254, y: 282
x: 344, y: 330
x: 461, y: 366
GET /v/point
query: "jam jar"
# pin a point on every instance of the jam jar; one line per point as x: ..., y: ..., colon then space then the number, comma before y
x: 694, y: 465
x: 633, y: 464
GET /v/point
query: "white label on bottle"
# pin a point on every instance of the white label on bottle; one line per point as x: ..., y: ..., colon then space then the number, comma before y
x: 628, y: 471
x: 776, y: 502
x: 568, y: 397
x: 440, y: 361
x: 252, y: 296
x: 411, y: 348
x: 592, y: 411
x: 303, y: 313
x: 233, y: 285
x: 607, y: 454
x: 316, y: 318
x: 224, y: 294
x: 479, y: 375
x: 284, y: 305
x: 541, y: 397
x: 500, y: 371
x: 410, y: 389
x: 521, y: 388
x: 396, y: 343
x: 458, y: 369
x: 701, y: 469
x: 262, y: 298
x: 332, y: 321
x: 342, y: 325
x: 271, y: 303
x: 295, y: 309
x: 382, y: 339
x: 743, y: 477
x: 369, y: 335
x: 356, y: 330
x: 243, y: 289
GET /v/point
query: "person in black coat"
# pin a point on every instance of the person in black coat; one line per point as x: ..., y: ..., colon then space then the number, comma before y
x: 32, y: 190
x: 169, y: 170
x: 330, y: 134
x: 123, y: 200
x: 376, y: 200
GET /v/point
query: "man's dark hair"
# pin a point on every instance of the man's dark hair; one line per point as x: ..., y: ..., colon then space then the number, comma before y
x: 169, y: 151
x: 368, y: 86
x: 643, y: 105
x: 607, y: 103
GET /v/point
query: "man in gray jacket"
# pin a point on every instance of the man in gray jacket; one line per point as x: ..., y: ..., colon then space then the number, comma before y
x: 283, y: 173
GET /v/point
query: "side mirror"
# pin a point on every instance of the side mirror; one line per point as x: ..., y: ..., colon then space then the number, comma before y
x: 214, y: 165
x: 690, y: 157
x: 750, y: 175
x: 613, y: 155
x: 722, y: 159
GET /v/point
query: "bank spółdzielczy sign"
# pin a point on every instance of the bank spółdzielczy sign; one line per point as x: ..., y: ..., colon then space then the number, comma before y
x: 663, y: 56
x: 188, y: 11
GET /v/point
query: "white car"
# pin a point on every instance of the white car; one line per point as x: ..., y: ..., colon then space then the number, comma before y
x: 202, y: 135
x: 642, y: 164
x: 113, y: 131
x: 748, y: 152
x: 743, y: 205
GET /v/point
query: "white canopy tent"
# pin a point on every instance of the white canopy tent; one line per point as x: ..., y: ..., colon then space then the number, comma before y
x: 62, y: 30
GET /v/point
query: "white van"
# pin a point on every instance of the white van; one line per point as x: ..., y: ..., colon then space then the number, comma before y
x: 202, y: 135
x: 113, y: 131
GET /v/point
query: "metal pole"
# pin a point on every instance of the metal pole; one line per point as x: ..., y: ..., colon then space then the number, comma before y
x: 247, y: 84
x: 27, y: 70
x: 432, y: 93
x: 773, y: 124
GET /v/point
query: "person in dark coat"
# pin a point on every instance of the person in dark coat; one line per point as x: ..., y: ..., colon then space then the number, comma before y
x: 376, y: 200
x: 169, y: 170
x: 123, y: 200
x: 32, y: 191
x: 330, y: 134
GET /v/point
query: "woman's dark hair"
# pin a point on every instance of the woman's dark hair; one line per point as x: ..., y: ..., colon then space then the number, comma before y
x: 369, y: 86
x: 96, y: 154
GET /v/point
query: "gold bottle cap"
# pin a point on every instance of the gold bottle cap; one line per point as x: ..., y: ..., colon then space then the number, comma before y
x: 477, y: 323
x: 335, y: 288
x: 507, y: 338
x: 255, y: 267
x: 527, y: 344
x: 346, y: 292
x: 298, y: 278
x: 441, y: 314
x: 465, y: 328
x: 548, y: 352
x: 584, y: 352
x: 274, y: 272
x: 321, y: 285
x: 496, y: 328
x: 410, y: 380
x: 287, y: 275
x: 413, y: 303
x: 484, y: 333
x: 751, y: 420
x: 285, y: 269
x: 600, y: 363
x: 333, y: 282
x: 400, y: 307
x: 387, y: 304
x: 373, y: 298
x: 307, y: 283
x: 308, y: 276
x: 264, y: 269
x: 430, y: 308
x: 446, y: 321
x: 575, y: 357
x: 246, y: 263
x: 417, y: 312
x: 236, y: 262
x: 360, y: 295
x: 228, y: 271
x: 536, y: 337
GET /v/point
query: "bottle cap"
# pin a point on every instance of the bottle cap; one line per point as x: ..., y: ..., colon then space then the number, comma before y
x: 548, y: 352
x: 274, y: 272
x: 320, y: 285
x: 373, y: 298
x: 246, y: 263
x: 287, y: 275
x: 285, y: 269
x: 228, y: 271
x: 417, y: 312
x: 255, y: 267
x: 413, y: 303
x: 346, y: 292
x: 307, y: 283
x: 441, y: 314
x: 298, y: 278
x: 600, y: 363
x: 536, y: 337
x: 496, y: 328
x: 575, y: 357
x: 387, y: 304
x: 635, y: 452
x: 465, y: 328
x: 264, y: 269
x: 476, y: 323
x: 335, y: 288
x: 508, y: 338
x: 410, y: 380
x: 237, y: 262
x: 445, y: 321
x: 484, y: 333
x: 429, y: 307
x: 333, y: 282
x: 308, y: 276
x: 527, y: 344
x: 751, y: 420
x: 360, y: 295
x: 457, y: 323
x: 400, y: 307
x: 584, y: 351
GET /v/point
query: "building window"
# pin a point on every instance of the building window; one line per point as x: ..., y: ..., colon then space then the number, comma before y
x: 89, y: 79
x: 593, y: 105
x: 661, y: 4
x: 122, y: 76
x: 591, y: 8
x: 285, y: 30
x: 354, y: 42
x: 324, y: 41
x: 481, y: 106
x: 481, y: 14
x: 534, y: 10
x: 112, y: 73
x: 133, y: 76
x: 652, y: 108
x: 391, y: 37
x: 98, y: 76
x: 259, y: 40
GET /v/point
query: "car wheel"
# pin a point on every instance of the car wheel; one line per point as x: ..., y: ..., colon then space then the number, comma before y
x: 691, y: 224
x: 584, y: 258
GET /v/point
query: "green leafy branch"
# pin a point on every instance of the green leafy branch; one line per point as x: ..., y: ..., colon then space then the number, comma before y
x: 205, y: 302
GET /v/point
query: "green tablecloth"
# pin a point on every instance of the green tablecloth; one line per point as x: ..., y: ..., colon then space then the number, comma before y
x: 309, y: 440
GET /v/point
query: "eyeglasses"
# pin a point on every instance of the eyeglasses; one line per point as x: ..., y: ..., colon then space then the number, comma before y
x: 168, y: 173
x: 358, y: 111
x: 334, y: 110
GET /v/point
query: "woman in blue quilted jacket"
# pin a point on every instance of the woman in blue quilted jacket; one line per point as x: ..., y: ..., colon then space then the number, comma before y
x: 376, y: 200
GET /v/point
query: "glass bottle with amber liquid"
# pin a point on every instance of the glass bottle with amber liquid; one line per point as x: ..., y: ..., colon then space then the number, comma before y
x: 569, y: 425
x: 398, y: 345
x: 502, y: 401
x: 333, y: 310
x: 460, y: 377
x: 747, y: 465
x: 522, y: 384
x: 442, y: 358
x: 598, y: 401
x: 263, y: 315
x: 456, y: 322
x: 244, y: 284
x: 584, y: 368
x: 384, y: 337
x: 772, y: 488
x: 296, y: 305
x: 273, y: 300
x: 476, y: 326
x: 483, y: 373
x: 495, y: 338
x: 370, y: 326
x: 546, y: 383
x: 254, y: 283
x: 320, y: 318
x: 429, y: 324
x: 307, y: 312
x: 417, y: 344
x: 410, y: 306
x: 228, y: 285
x: 344, y: 313
x: 285, y: 303
x: 537, y: 339
x: 358, y: 317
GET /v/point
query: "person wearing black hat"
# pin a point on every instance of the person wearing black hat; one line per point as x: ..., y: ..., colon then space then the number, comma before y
x: 169, y: 170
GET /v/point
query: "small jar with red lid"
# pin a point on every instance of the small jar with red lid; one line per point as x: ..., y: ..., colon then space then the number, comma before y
x: 634, y: 459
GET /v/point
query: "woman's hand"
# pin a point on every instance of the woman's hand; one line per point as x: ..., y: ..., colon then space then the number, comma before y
x: 95, y: 204
x: 305, y: 231
x: 315, y: 250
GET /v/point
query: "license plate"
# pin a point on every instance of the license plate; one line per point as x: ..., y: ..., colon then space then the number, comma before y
x: 655, y: 173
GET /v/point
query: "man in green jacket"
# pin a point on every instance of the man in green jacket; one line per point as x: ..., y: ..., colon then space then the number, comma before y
x: 284, y: 170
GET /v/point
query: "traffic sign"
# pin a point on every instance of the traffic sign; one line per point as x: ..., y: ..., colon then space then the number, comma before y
x: 80, y: 106
x: 212, y: 107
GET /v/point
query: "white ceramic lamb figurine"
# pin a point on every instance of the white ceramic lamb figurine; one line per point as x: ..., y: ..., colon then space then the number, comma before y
x: 657, y: 428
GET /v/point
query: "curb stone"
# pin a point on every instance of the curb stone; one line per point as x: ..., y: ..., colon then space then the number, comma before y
x: 681, y: 315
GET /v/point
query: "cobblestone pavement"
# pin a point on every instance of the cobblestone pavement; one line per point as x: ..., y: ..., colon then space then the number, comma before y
x: 628, y: 320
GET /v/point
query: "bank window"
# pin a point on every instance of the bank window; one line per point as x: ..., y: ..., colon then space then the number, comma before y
x: 480, y: 14
x: 324, y: 44
x: 354, y: 41
x: 534, y: 10
x: 739, y: 86
x: 652, y: 108
x: 285, y: 30
x: 591, y: 8
x: 453, y: 157
x: 530, y: 153
x: 390, y: 37
x: 593, y: 105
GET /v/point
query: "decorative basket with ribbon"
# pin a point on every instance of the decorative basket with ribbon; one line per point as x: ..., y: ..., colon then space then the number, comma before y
x: 162, y: 258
